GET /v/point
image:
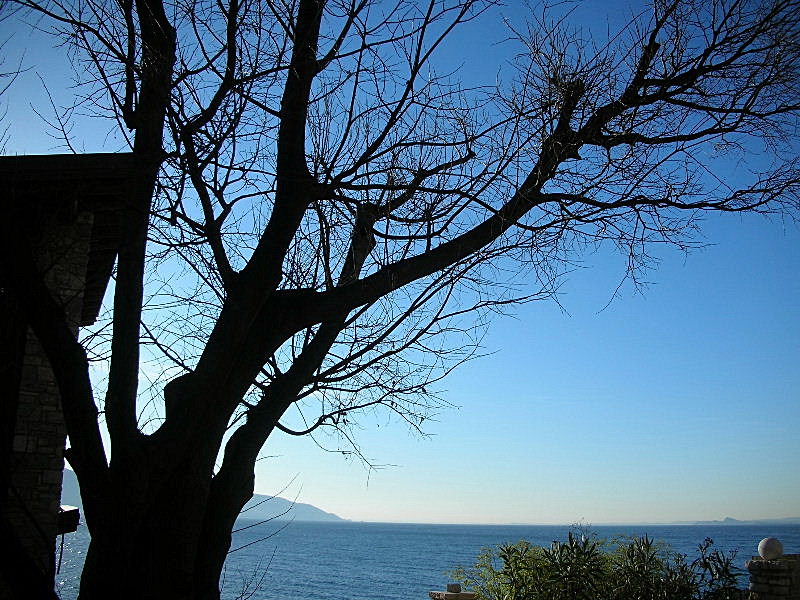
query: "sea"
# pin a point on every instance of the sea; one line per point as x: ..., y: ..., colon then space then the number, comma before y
x: 397, y: 561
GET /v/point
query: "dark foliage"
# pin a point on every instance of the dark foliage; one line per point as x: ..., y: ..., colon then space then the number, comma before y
x: 587, y: 568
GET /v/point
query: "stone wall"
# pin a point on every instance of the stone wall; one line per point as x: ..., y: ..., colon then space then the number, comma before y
x: 61, y: 247
x: 777, y: 579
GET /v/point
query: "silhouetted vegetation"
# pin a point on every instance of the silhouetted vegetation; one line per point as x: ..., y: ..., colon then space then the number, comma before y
x: 587, y: 568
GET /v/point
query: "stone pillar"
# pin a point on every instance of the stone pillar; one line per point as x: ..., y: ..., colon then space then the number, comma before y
x: 776, y: 579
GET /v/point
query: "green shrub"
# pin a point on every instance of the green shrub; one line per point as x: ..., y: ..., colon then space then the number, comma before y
x: 587, y: 568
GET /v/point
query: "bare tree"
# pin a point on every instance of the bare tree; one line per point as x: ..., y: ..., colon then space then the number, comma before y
x: 319, y: 209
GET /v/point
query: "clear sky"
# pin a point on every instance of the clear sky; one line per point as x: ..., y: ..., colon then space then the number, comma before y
x: 679, y: 403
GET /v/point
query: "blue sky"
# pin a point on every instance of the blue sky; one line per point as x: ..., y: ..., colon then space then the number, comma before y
x: 681, y: 402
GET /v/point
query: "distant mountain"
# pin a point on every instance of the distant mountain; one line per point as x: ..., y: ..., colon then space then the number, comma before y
x: 281, y: 509
x: 732, y: 521
x: 260, y: 507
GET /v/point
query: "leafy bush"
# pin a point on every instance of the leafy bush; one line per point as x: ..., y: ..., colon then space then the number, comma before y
x: 587, y: 568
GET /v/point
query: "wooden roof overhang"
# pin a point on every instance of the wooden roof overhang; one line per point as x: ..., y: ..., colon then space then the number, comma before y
x: 64, y: 185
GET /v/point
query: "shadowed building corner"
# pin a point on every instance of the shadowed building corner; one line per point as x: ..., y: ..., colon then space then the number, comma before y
x: 65, y: 209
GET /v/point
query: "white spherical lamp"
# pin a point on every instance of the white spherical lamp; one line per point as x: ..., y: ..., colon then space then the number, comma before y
x: 770, y: 548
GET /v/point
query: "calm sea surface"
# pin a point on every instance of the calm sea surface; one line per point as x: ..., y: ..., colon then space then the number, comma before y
x: 389, y: 561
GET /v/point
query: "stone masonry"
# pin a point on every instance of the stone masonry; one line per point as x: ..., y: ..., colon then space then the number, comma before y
x: 777, y: 579
x: 67, y: 208
x: 37, y: 459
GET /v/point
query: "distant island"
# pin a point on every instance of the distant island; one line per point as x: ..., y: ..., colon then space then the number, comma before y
x: 727, y: 521
x: 260, y: 507
x: 732, y: 521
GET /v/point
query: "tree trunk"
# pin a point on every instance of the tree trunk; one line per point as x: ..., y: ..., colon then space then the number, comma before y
x: 117, y: 569
x: 211, y: 561
x: 147, y: 544
x: 226, y: 500
x: 156, y: 563
x: 146, y: 565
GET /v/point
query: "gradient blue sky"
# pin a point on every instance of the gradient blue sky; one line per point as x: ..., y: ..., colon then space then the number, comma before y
x: 679, y: 403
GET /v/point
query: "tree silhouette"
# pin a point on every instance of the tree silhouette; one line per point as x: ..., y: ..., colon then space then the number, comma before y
x: 322, y: 215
